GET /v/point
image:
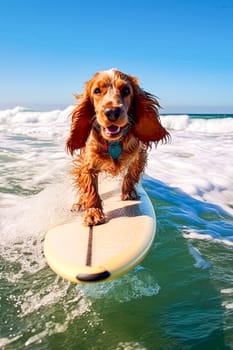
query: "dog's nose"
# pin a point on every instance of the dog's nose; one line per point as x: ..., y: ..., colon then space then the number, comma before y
x: 112, y: 113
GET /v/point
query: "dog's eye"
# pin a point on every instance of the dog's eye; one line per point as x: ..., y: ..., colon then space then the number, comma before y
x: 125, y: 91
x: 97, y: 91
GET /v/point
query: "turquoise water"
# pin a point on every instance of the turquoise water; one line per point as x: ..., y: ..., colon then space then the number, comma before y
x: 180, y: 297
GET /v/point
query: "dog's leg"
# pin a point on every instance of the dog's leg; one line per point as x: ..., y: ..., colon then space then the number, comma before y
x: 94, y: 211
x: 89, y: 199
x: 133, y: 176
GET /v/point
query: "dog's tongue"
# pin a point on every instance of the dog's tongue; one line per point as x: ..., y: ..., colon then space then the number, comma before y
x: 113, y: 130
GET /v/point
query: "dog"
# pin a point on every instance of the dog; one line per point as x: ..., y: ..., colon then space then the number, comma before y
x: 112, y: 126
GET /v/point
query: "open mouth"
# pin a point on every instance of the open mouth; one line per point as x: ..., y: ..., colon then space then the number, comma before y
x: 112, y: 130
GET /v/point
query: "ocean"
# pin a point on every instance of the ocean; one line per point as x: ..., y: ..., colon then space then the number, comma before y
x: 180, y: 297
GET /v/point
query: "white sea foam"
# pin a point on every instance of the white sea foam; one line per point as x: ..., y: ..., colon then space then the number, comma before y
x: 227, y: 291
x: 209, y: 237
x: 199, y: 164
x: 228, y: 306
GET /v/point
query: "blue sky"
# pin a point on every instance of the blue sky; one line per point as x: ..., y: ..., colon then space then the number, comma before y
x: 181, y: 50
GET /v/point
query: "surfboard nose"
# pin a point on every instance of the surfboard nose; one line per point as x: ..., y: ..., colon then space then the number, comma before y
x: 93, y: 277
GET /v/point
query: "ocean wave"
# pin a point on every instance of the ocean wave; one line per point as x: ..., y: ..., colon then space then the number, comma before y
x: 24, y: 115
x: 185, y: 122
x: 39, y: 124
x: 180, y: 122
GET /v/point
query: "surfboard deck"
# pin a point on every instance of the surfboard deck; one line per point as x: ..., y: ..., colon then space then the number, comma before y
x: 84, y: 254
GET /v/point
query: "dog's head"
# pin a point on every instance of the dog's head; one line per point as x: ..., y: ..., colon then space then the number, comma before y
x: 114, y: 101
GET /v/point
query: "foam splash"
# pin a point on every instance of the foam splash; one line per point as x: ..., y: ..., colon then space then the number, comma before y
x: 6, y: 341
x: 135, y: 285
x: 24, y: 225
x: 58, y: 294
x: 130, y: 346
x: 200, y: 262
x: 34, y: 214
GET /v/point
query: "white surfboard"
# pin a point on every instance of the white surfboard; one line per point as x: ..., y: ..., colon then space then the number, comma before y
x: 84, y: 254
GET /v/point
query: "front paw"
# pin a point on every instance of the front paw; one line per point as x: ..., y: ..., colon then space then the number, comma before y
x: 129, y: 195
x: 94, y: 216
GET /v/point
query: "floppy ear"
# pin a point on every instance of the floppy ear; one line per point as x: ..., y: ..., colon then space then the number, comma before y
x: 145, y: 113
x: 81, y: 124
